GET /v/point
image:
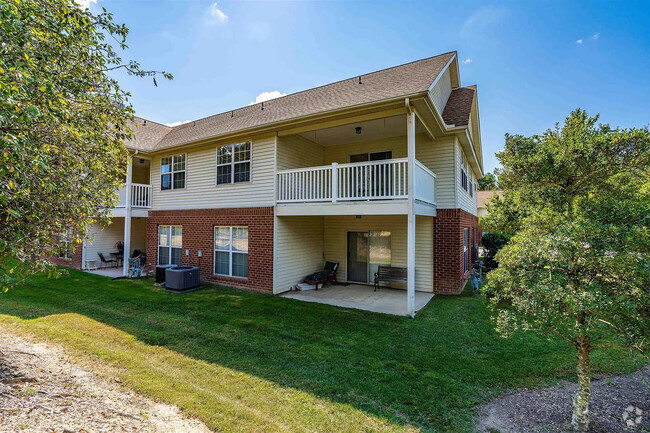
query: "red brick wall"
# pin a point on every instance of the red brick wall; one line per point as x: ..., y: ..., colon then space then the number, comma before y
x: 198, y: 234
x: 448, y: 275
x: 74, y: 263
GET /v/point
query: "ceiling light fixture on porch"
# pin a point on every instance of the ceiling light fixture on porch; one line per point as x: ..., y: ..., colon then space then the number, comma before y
x: 357, y: 130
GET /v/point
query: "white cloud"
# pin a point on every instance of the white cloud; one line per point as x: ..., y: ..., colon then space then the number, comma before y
x: 85, y: 4
x: 593, y: 37
x: 172, y: 124
x: 467, y: 60
x: 266, y: 96
x: 481, y: 21
x: 217, y: 14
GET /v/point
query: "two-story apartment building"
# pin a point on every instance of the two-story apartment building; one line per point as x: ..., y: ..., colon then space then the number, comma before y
x: 376, y: 169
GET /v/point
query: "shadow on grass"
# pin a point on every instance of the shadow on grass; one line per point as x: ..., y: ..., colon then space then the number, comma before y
x: 430, y: 372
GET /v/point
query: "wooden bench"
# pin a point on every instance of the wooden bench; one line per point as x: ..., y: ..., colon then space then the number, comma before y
x: 391, y: 274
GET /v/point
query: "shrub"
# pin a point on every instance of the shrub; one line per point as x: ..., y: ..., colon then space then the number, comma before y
x: 492, y: 243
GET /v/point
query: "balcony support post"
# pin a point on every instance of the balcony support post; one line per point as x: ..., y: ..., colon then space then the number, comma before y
x: 410, y: 244
x: 127, y: 218
x: 335, y: 181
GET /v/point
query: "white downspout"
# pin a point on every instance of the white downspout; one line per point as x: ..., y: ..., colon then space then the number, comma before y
x: 410, y: 244
x: 127, y: 219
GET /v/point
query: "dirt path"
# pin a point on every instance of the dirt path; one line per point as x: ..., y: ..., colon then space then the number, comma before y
x: 43, y: 390
x: 618, y: 404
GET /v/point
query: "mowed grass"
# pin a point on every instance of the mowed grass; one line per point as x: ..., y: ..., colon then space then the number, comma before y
x: 243, y: 361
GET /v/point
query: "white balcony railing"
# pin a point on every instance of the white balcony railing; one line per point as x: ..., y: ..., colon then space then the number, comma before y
x: 374, y: 180
x: 140, y: 196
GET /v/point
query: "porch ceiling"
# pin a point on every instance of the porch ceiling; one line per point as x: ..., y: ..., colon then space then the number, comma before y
x: 362, y: 297
x: 386, y: 127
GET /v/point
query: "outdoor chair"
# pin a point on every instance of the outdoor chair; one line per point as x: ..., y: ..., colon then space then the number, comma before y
x: 326, y: 276
x: 143, y: 257
x: 110, y: 263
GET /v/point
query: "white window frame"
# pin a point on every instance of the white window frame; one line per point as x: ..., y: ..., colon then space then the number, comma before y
x: 170, y: 246
x: 66, y: 250
x: 172, y: 171
x: 230, y: 252
x: 233, y: 163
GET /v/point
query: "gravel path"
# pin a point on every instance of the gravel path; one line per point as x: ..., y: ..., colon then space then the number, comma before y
x: 43, y: 390
x: 618, y: 404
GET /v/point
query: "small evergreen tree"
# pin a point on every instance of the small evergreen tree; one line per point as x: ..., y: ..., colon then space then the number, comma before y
x: 578, y: 198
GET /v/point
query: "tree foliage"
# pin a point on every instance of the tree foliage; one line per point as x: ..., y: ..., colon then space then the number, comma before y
x: 488, y: 182
x: 63, y: 121
x: 492, y: 243
x: 578, y: 197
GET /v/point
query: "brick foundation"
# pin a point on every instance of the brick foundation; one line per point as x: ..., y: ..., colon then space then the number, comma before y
x: 448, y: 275
x: 198, y: 234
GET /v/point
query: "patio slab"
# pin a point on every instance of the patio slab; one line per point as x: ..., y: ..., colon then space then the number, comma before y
x: 108, y: 272
x: 362, y: 297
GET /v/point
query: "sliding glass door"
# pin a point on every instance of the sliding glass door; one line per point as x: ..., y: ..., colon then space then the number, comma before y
x: 366, y: 251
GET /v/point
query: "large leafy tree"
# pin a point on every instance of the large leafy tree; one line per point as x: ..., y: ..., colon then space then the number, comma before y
x: 578, y: 199
x: 63, y: 121
x: 488, y: 182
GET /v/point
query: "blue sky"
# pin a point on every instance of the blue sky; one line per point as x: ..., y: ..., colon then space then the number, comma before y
x: 533, y: 62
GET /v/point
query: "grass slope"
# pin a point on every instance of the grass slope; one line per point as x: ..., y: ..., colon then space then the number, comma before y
x: 243, y: 361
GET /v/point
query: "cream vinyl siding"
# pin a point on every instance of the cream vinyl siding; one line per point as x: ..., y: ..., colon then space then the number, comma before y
x: 299, y: 250
x: 337, y: 227
x: 438, y: 156
x: 441, y: 91
x: 201, y: 190
x: 295, y: 151
x: 102, y: 239
x: 464, y: 201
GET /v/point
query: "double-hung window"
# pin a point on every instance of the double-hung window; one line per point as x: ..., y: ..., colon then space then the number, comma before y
x: 172, y: 172
x: 170, y: 245
x: 463, y: 179
x: 231, y: 251
x: 65, y: 246
x: 465, y: 249
x: 234, y: 163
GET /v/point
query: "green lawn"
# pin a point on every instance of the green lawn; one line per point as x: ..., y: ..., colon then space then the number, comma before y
x: 248, y: 362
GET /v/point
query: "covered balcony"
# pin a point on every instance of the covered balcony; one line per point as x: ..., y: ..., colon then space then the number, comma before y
x: 140, y: 190
x: 353, y: 169
x: 140, y: 196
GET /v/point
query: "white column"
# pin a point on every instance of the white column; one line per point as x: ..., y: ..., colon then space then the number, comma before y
x: 127, y: 219
x: 335, y: 181
x: 410, y: 243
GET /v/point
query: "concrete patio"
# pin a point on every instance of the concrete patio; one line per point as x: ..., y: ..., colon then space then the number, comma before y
x: 362, y: 297
x: 108, y: 272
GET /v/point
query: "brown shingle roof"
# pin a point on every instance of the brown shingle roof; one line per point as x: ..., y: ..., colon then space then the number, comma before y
x: 146, y: 133
x: 483, y: 197
x: 395, y: 82
x: 459, y: 106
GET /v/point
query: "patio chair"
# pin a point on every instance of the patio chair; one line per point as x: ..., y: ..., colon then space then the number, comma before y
x: 326, y: 276
x: 107, y: 263
x: 143, y: 257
